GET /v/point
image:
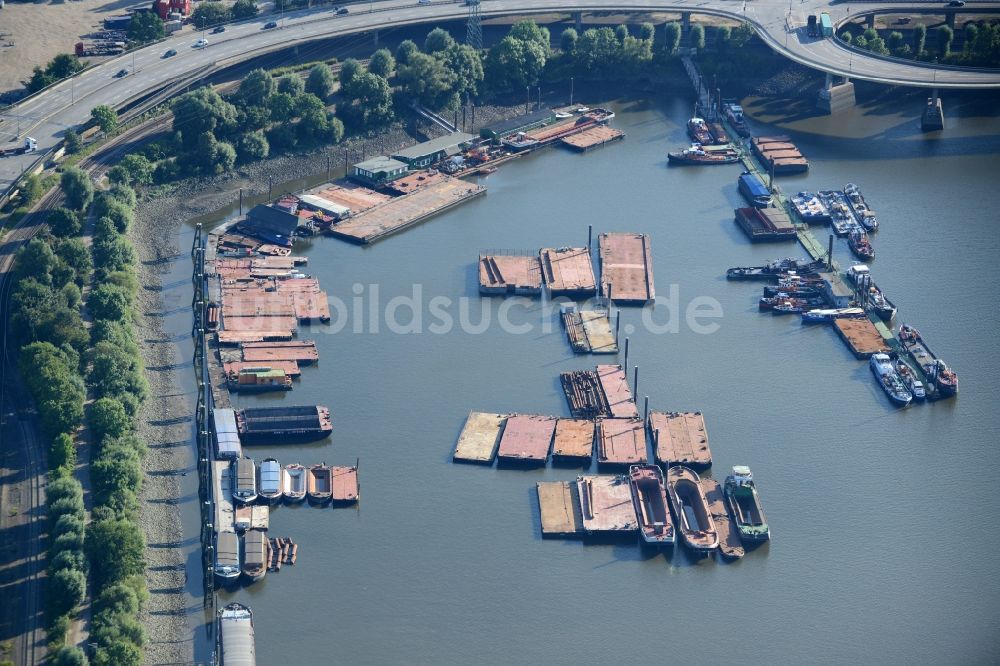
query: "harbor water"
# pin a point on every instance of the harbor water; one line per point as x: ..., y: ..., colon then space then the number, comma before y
x: 884, y: 546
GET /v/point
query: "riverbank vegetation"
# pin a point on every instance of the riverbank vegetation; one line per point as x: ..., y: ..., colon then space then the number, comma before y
x: 976, y: 45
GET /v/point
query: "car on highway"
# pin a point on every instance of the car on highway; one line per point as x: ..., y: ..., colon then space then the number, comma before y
x: 269, y: 25
x: 218, y: 29
x: 120, y: 73
x: 956, y: 3
x: 200, y: 44
x: 169, y: 53
x: 423, y: 2
x: 343, y: 10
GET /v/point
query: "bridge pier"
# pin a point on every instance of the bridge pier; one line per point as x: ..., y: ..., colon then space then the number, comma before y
x: 375, y: 37
x: 578, y: 20
x: 949, y: 18
x: 836, y: 97
x: 870, y: 21
x: 932, y: 118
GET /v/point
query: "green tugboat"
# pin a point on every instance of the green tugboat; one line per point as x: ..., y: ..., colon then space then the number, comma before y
x: 744, y: 505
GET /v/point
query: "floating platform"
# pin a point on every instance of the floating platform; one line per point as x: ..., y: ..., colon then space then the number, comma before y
x: 617, y: 392
x: 348, y: 194
x: 583, y: 392
x: 225, y: 514
x: 621, y: 442
x: 301, y: 352
x: 780, y: 154
x: 230, y: 337
x: 861, y: 336
x: 345, y: 488
x: 680, y: 438
x: 568, y: 271
x: 589, y: 332
x: 730, y: 544
x: 252, y: 517
x: 606, y: 504
x: 766, y: 224
x: 480, y: 438
x: 503, y: 274
x: 626, y: 268
x: 281, y: 424
x: 573, y: 440
x: 559, y: 508
x: 527, y: 439
x: 593, y: 137
x: 407, y: 210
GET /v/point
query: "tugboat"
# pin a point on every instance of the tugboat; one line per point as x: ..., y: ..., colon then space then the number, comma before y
x: 944, y: 380
x: 697, y: 154
x: 744, y: 505
x: 859, y: 244
x: 800, y: 290
x: 698, y: 130
x: 773, y: 270
x: 649, y: 497
x: 870, y: 295
x: 734, y: 114
x: 889, y: 380
x: 694, y: 520
x: 718, y: 133
x: 864, y: 214
x: 909, y: 378
x: 785, y: 304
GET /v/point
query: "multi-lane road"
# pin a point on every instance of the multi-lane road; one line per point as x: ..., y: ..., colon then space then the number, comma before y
x: 47, y: 115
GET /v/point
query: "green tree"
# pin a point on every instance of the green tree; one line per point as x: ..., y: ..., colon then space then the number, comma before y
x: 69, y: 655
x: 877, y: 45
x: 62, y: 453
x: 256, y: 87
x: 467, y: 67
x: 438, y: 39
x: 244, y: 9
x: 723, y: 34
x: 76, y: 255
x: 861, y: 42
x: 207, y: 14
x: 121, y: 215
x: 919, y: 38
x: 108, y: 302
x: 252, y: 147
x: 349, y: 69
x: 64, y: 222
x: 77, y: 187
x: 382, y: 63
x: 145, y: 27
x: 125, y: 540
x: 970, y: 32
x: 567, y: 40
x: 895, y: 41
x: 68, y: 559
x: 621, y: 32
x: 370, y: 105
x: 118, y: 653
x: 200, y: 111
x: 66, y: 588
x: 945, y: 35
x: 320, y: 80
x: 698, y: 36
x: 335, y: 130
x: 117, y: 476
x: 427, y: 79
x: 647, y: 31
x: 673, y: 37
x: 113, y: 253
x: 105, y: 117
x: 513, y: 65
x: 107, y: 418
x: 71, y: 141
x: 134, y: 168
x: 282, y: 107
x: 291, y: 84
x: 31, y: 189
x: 67, y: 523
x: 529, y: 31
x: 597, y: 52
x: 68, y: 488
x: 405, y: 50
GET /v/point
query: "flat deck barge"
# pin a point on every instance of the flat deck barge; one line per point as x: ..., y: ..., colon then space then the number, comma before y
x: 593, y: 137
x: 617, y: 392
x: 730, y: 544
x: 225, y: 514
x: 345, y: 488
x: 568, y: 271
x: 299, y: 351
x: 589, y: 332
x: 290, y: 368
x: 298, y: 422
x: 583, y: 392
x: 680, y: 438
x: 407, y: 210
x: 606, y: 504
x: 861, y: 336
x: 559, y: 508
x: 621, y: 442
x: 574, y: 440
x: 503, y: 274
x: 527, y: 439
x: 252, y: 517
x: 237, y: 337
x: 766, y: 224
x: 479, y: 438
x: 626, y: 268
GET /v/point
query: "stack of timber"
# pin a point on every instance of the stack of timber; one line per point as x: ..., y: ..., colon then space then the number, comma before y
x: 584, y: 394
x: 283, y: 551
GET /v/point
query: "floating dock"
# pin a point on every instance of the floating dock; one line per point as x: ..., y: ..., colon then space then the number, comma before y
x: 290, y: 368
x: 238, y: 337
x: 861, y: 336
x: 480, y: 438
x: 407, y: 210
x: 617, y: 392
x: 606, y: 504
x: 766, y: 224
x: 280, y: 424
x: 621, y: 442
x: 589, y: 332
x: 779, y: 154
x: 252, y: 517
x: 345, y: 489
x: 568, y: 271
x: 503, y: 274
x: 299, y: 351
x: 574, y: 440
x: 680, y: 438
x: 225, y: 514
x: 626, y: 268
x: 730, y: 544
x: 593, y: 137
x: 527, y: 439
x: 559, y: 508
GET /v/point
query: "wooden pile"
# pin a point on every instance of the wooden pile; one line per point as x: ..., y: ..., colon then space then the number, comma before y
x: 584, y: 394
x: 283, y: 551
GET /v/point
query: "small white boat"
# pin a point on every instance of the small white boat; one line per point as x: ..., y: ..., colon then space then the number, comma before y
x: 293, y: 482
x: 269, y: 486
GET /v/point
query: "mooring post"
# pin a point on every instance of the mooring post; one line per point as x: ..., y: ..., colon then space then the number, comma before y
x: 829, y: 253
x: 590, y: 236
x: 625, y: 364
x: 270, y: 185
x: 645, y: 409
x: 241, y: 201
x: 327, y: 168
x: 618, y: 325
x: 635, y: 381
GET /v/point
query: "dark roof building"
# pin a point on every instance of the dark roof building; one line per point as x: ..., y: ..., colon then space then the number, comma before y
x: 427, y: 153
x: 524, y: 123
x: 270, y: 224
x: 378, y: 170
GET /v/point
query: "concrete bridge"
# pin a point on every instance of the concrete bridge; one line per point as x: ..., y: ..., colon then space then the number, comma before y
x: 781, y: 23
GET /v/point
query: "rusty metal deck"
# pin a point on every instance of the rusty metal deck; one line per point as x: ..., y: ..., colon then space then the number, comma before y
x: 300, y: 351
x: 617, y: 391
x: 290, y: 368
x: 680, y: 438
x: 574, y: 440
x: 606, y: 504
x: 345, y: 489
x: 861, y: 336
x: 479, y: 438
x: 503, y: 274
x: 559, y: 508
x: 593, y: 137
x: 568, y: 271
x: 621, y: 442
x: 626, y: 267
x: 730, y: 544
x: 527, y: 438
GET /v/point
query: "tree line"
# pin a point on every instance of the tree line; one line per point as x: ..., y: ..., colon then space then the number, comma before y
x: 980, y: 43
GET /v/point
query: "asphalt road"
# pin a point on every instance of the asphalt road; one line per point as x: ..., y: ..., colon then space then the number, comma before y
x: 47, y: 115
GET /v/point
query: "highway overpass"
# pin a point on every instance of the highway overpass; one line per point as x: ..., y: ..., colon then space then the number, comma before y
x: 48, y: 114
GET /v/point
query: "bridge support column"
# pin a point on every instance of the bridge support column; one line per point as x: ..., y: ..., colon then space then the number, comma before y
x: 375, y: 37
x: 578, y: 20
x: 836, y: 97
x: 870, y: 21
x: 949, y: 18
x: 685, y: 22
x: 932, y: 118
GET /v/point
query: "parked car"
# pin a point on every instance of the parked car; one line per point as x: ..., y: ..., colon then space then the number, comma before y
x: 343, y: 10
x: 956, y: 3
x: 423, y: 2
x: 217, y: 29
x: 169, y: 53
x: 269, y: 25
x: 200, y: 44
x: 120, y: 73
